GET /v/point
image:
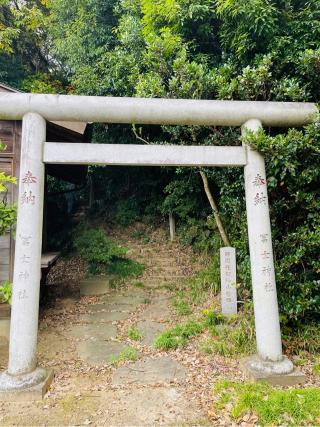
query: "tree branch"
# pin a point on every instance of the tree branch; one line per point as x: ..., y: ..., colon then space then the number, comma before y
x: 134, y: 130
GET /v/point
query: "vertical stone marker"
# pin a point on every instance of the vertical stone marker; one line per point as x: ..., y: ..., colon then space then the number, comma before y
x: 228, y: 274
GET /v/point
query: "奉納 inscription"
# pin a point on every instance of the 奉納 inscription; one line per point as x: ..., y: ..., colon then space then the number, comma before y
x: 260, y: 199
x: 29, y: 178
x: 28, y: 198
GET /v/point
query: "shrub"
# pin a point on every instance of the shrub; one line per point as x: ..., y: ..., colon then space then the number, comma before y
x: 7, y: 216
x: 305, y: 338
x: 128, y: 211
x: 104, y: 256
x: 96, y: 249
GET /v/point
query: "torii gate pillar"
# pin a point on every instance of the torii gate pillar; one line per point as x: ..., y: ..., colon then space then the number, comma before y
x: 23, y: 373
x: 269, y: 360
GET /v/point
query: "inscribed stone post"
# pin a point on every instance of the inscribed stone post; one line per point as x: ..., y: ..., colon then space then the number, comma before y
x: 228, y: 275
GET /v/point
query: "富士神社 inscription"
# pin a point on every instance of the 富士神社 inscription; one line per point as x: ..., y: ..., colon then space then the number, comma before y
x: 228, y: 280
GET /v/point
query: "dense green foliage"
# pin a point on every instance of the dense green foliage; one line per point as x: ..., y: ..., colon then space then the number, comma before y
x: 223, y: 49
x: 293, y: 178
x: 26, y: 58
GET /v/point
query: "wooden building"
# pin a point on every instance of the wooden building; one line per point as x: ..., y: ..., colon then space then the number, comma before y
x: 10, y: 135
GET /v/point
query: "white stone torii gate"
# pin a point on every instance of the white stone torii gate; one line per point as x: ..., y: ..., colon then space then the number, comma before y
x: 22, y: 373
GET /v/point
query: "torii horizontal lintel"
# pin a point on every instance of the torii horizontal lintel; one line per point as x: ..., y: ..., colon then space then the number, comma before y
x: 142, y: 155
x: 103, y: 109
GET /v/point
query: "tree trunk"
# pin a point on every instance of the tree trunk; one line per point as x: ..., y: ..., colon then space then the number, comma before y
x: 172, y: 226
x: 213, y: 205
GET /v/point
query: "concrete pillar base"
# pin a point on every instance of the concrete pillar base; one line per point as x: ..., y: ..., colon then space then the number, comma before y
x: 275, y: 373
x: 31, y: 386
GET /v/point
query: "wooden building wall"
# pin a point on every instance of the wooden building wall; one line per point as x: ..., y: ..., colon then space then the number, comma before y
x: 10, y: 135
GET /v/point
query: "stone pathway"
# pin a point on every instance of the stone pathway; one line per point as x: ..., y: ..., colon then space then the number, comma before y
x: 150, y: 371
x: 98, y: 341
x: 101, y: 337
x: 104, y: 377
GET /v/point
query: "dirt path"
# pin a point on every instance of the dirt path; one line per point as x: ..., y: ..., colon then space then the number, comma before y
x: 86, y: 340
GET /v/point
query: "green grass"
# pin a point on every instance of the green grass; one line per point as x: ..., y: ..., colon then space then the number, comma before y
x: 181, y: 307
x: 129, y: 353
x: 195, y: 290
x: 138, y: 285
x: 228, y: 336
x: 271, y: 406
x: 134, y: 334
x: 316, y: 367
x: 178, y: 336
x: 232, y: 336
x: 213, y: 317
x: 300, y: 361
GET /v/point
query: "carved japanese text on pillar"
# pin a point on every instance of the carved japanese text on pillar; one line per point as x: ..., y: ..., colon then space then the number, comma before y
x: 260, y: 201
x: 28, y: 199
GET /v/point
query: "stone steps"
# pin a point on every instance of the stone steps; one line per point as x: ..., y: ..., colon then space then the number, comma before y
x: 171, y: 272
x: 170, y: 261
x: 164, y: 261
x: 165, y: 278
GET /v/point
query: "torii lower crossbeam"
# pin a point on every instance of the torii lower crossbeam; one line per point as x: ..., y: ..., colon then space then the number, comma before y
x: 142, y: 155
